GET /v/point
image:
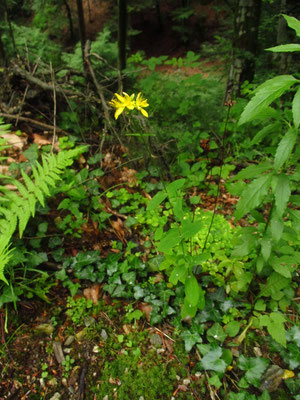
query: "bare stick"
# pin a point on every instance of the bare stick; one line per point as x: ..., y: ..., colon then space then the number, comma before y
x: 33, y: 122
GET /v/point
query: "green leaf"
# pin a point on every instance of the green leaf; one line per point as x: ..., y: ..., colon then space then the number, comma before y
x: 179, y: 273
x: 171, y: 240
x: 188, y: 310
x: 177, y: 208
x: 266, y: 131
x: 174, y: 186
x: 283, y: 48
x: 192, y: 290
x: 285, y: 148
x: 253, y: 195
x: 190, y: 229
x: 156, y: 200
x: 293, y: 23
x: 216, y: 332
x: 276, y: 228
x: 253, y: 171
x: 212, y: 361
x: 296, y: 108
x: 275, y: 326
x: 232, y: 328
x: 190, y: 339
x: 282, y: 193
x: 254, y: 368
x: 275, y: 283
x: 265, y: 95
x: 215, y: 381
x: 266, y: 247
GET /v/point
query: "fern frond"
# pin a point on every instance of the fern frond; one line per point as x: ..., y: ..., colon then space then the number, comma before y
x: 5, y: 256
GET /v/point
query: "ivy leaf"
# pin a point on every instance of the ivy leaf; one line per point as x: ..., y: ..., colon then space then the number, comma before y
x: 254, y: 368
x: 156, y: 200
x: 232, y: 328
x: 265, y: 95
x: 296, y: 107
x: 212, y: 361
x: 282, y: 193
x: 285, y: 148
x: 216, y: 332
x: 190, y: 339
x: 253, y: 195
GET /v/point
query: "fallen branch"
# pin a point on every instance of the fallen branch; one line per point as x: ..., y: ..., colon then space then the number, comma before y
x: 33, y: 122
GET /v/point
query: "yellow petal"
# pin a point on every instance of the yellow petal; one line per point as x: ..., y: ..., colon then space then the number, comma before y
x: 144, y: 112
x: 288, y: 374
x: 119, y: 112
x: 119, y: 97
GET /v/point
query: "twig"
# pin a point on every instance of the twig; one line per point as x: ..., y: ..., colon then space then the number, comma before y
x: 54, y: 107
x: 163, y: 333
x: 34, y: 122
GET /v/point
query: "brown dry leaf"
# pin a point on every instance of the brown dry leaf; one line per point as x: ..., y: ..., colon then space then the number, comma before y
x: 118, y: 226
x: 182, y: 388
x: 159, y: 278
x: 40, y: 140
x: 146, y: 309
x: 92, y: 293
x: 15, y: 140
x: 128, y: 175
x: 127, y: 329
x: 3, y: 169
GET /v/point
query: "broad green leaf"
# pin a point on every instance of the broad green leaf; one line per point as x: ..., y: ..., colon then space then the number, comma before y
x: 282, y: 193
x: 177, y: 208
x: 294, y: 334
x: 266, y: 247
x: 156, y: 200
x: 296, y: 108
x: 212, y: 361
x: 285, y: 148
x: 215, y: 381
x: 254, y: 367
x: 265, y: 95
x: 275, y: 326
x: 275, y: 283
x: 179, y: 273
x: 232, y: 328
x: 188, y: 310
x: 253, y: 195
x: 266, y: 131
x: 295, y: 214
x: 293, y: 23
x: 276, y: 228
x: 171, y: 240
x: 174, y: 186
x: 190, y: 229
x: 253, y: 171
x: 284, y: 48
x: 190, y: 339
x: 280, y: 267
x: 192, y: 290
x: 216, y: 332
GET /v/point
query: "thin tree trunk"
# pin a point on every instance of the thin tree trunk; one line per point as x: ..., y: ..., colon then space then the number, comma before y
x: 282, y: 58
x: 69, y: 15
x: 122, y: 33
x: 10, y: 27
x: 3, y: 60
x: 244, y: 44
x: 160, y: 26
x: 81, y: 30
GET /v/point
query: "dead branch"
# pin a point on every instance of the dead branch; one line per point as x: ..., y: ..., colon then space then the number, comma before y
x: 33, y: 122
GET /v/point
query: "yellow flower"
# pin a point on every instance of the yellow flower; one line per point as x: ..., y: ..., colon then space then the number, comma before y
x: 122, y: 102
x: 140, y: 104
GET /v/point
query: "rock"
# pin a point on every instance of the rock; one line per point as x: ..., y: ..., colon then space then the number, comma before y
x: 104, y: 335
x: 47, y: 329
x: 52, y: 382
x: 271, y: 378
x: 155, y: 340
x: 96, y: 349
x: 257, y: 352
x: 56, y: 396
x: 105, y: 397
x: 79, y: 336
x: 70, y: 339
x: 59, y: 355
x: 89, y: 320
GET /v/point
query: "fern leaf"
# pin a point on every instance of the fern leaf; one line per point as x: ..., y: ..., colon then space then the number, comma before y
x: 33, y: 188
x: 5, y: 256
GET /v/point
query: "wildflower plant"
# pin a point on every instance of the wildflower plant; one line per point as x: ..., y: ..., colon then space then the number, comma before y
x: 121, y: 103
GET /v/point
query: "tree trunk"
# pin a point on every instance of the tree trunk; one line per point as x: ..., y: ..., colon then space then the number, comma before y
x: 11, y: 32
x: 122, y: 33
x: 282, y: 58
x: 81, y: 29
x: 3, y: 60
x: 69, y: 15
x: 244, y: 44
x: 160, y: 26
